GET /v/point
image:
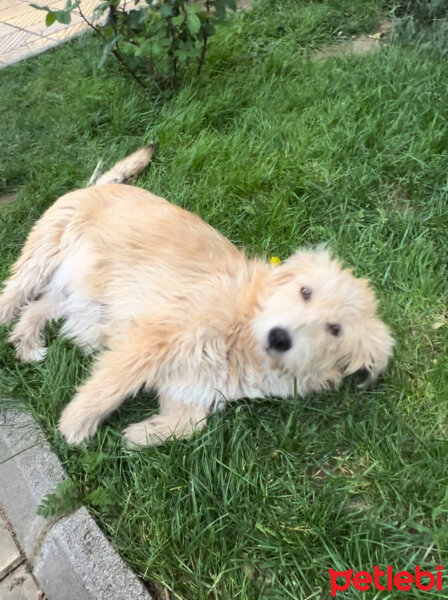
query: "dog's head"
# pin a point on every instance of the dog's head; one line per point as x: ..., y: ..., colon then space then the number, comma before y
x: 318, y: 323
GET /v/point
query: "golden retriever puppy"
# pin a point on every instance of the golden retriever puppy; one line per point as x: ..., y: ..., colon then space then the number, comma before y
x: 173, y: 306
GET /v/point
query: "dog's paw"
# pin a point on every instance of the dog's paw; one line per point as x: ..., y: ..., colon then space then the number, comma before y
x: 35, y: 354
x: 28, y: 348
x: 145, y: 433
x: 76, y: 428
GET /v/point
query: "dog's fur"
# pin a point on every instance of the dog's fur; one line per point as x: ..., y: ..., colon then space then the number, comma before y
x: 177, y: 308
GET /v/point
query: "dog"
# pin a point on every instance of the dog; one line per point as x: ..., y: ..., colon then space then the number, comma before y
x: 173, y: 306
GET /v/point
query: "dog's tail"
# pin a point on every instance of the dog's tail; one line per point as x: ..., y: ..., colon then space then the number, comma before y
x: 125, y: 169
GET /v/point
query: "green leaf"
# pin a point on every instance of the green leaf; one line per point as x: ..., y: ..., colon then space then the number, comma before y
x: 193, y: 24
x: 181, y: 55
x: 155, y: 48
x: 221, y: 7
x: 62, y: 16
x: 148, y: 48
x: 166, y: 10
x: 108, y: 30
x: 178, y: 20
x: 63, y: 500
x: 37, y: 7
x: 187, y: 45
x: 133, y: 19
x: 50, y: 19
x: 99, y: 497
x: 71, y: 6
x: 209, y: 29
x: 106, y: 49
x: 101, y: 9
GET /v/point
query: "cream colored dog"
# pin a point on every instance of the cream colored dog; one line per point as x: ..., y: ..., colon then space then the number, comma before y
x: 175, y: 307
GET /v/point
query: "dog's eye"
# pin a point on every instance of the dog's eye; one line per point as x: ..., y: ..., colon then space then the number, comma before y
x: 334, y: 329
x: 306, y: 293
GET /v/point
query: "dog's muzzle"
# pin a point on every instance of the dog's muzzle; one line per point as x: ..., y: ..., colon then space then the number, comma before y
x: 279, y: 339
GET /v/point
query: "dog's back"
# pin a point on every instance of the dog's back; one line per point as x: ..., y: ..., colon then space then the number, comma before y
x: 102, y: 256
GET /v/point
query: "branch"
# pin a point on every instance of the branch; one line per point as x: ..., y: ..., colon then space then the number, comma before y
x: 95, y: 29
x: 201, y: 59
x: 115, y: 51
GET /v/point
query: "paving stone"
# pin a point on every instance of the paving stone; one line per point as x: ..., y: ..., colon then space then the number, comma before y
x: 19, y: 585
x: 28, y: 471
x: 92, y: 569
x: 23, y: 31
x: 9, y: 553
x: 71, y: 558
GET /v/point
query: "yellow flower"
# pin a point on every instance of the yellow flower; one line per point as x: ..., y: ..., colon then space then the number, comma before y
x: 274, y: 260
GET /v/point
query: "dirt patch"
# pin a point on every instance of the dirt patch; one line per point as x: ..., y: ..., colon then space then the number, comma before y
x: 397, y: 195
x: 244, y: 4
x: 6, y: 198
x: 399, y: 199
x: 159, y: 592
x: 357, y: 45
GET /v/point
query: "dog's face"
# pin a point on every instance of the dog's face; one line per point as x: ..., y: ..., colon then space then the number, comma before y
x: 318, y: 323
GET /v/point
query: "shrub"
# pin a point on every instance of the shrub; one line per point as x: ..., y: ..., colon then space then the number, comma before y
x: 161, y: 39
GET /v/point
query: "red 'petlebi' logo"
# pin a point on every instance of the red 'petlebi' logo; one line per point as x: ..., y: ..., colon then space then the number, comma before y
x: 386, y: 580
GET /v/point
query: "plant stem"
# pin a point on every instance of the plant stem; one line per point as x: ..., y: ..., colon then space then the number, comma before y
x: 115, y: 51
x: 201, y: 59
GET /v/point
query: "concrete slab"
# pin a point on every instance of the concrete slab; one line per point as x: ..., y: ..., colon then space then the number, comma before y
x: 70, y: 557
x: 10, y: 556
x: 19, y: 585
x: 92, y: 570
x: 28, y: 471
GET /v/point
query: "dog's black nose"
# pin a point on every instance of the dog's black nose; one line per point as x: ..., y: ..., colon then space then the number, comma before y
x: 279, y: 339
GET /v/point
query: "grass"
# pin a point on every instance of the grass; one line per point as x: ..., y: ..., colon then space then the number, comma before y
x: 276, y: 151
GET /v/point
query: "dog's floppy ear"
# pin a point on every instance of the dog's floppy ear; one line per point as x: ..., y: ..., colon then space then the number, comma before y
x: 370, y: 350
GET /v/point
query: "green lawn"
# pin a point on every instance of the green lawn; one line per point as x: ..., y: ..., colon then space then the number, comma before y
x: 276, y: 151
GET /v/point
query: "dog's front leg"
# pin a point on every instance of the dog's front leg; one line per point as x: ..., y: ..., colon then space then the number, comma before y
x: 176, y: 419
x: 119, y: 373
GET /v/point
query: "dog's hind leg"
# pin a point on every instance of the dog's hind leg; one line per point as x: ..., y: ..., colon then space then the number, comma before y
x: 176, y: 419
x: 39, y: 259
x: 27, y: 334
